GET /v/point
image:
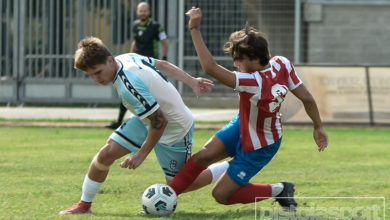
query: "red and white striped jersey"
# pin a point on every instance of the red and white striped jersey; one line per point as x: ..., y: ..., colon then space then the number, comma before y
x: 261, y: 95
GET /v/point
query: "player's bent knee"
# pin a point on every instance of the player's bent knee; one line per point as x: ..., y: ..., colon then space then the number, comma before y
x: 203, y: 159
x: 102, y: 161
x: 98, y: 165
x: 219, y: 196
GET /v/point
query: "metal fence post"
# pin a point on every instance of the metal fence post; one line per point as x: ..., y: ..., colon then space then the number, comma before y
x: 369, y: 96
x: 181, y: 43
x: 21, y: 55
x: 297, y: 32
x: 15, y: 39
x: 81, y: 20
x: 16, y: 47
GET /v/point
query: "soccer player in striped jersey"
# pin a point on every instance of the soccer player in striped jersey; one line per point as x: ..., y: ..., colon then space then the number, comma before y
x: 253, y: 137
x: 161, y: 120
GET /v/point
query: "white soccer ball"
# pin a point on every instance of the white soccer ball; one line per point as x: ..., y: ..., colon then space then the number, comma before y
x: 159, y: 199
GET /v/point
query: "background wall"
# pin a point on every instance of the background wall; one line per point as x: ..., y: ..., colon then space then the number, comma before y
x: 347, y: 32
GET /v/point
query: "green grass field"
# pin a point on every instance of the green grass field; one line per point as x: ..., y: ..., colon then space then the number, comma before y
x: 42, y: 169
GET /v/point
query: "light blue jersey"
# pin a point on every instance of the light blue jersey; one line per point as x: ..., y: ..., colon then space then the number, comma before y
x: 133, y: 90
x: 143, y: 89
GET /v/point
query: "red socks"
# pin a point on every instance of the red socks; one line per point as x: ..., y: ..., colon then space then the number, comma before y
x: 186, y: 176
x: 249, y: 192
x: 246, y: 194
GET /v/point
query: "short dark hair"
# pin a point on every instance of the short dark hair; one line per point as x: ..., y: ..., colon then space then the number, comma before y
x: 249, y: 42
x: 91, y: 51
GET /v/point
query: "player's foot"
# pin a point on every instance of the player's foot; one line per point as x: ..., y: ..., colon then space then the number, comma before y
x: 77, y: 208
x: 113, y: 125
x: 286, y: 197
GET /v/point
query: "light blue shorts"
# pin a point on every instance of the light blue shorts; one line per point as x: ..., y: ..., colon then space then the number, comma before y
x: 244, y: 165
x: 132, y: 134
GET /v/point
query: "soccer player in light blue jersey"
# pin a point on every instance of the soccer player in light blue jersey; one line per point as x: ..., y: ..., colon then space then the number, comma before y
x: 161, y: 120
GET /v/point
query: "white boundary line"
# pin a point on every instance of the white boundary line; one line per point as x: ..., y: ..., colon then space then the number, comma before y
x: 383, y: 198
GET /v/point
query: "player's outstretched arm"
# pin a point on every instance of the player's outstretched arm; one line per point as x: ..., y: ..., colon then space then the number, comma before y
x: 198, y: 85
x: 158, y: 122
x: 319, y: 134
x: 209, y: 66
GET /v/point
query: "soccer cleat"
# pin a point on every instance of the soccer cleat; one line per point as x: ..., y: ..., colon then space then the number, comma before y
x: 77, y: 208
x: 286, y: 197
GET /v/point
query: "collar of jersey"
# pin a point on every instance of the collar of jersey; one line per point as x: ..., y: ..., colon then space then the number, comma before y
x: 119, y: 69
x: 147, y: 24
x: 265, y: 70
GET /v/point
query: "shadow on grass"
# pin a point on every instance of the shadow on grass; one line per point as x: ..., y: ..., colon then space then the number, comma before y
x: 108, y: 215
x: 233, y: 214
x: 250, y: 214
x: 245, y: 214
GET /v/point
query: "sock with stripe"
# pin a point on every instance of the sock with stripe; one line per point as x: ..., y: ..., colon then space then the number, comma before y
x: 277, y: 188
x: 249, y: 193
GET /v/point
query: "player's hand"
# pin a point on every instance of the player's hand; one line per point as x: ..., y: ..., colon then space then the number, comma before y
x: 195, y: 15
x: 201, y: 85
x: 133, y: 161
x: 321, y: 138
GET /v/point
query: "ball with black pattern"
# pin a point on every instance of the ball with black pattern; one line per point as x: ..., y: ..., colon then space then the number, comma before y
x: 159, y: 200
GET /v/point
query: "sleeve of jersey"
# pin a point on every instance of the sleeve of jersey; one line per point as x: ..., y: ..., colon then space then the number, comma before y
x: 139, y: 59
x: 134, y: 30
x: 138, y: 95
x: 293, y: 79
x: 161, y: 33
x: 151, y: 61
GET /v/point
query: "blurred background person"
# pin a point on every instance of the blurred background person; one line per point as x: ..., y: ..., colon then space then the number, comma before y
x: 147, y: 34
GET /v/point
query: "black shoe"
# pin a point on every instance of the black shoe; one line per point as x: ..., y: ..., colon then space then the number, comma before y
x: 113, y: 125
x: 286, y: 197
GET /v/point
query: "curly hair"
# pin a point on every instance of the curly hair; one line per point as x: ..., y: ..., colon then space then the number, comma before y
x: 249, y: 42
x: 91, y: 51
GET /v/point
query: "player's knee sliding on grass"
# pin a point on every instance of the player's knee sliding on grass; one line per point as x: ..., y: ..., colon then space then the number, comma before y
x: 253, y: 137
x: 234, y: 187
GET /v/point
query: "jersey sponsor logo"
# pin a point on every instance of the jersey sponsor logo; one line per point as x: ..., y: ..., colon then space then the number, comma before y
x: 140, y: 33
x: 279, y: 92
